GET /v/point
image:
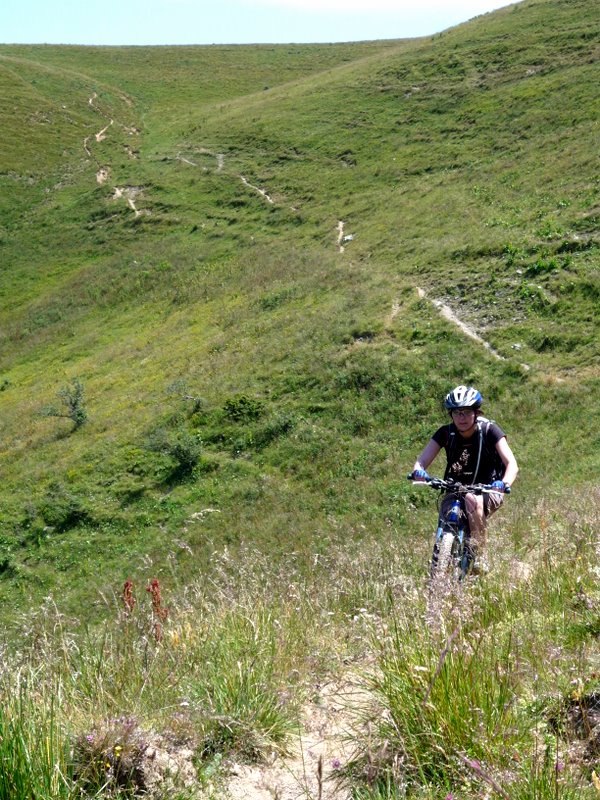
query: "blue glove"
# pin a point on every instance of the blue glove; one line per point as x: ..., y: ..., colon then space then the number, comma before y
x: 498, y: 486
x: 420, y: 475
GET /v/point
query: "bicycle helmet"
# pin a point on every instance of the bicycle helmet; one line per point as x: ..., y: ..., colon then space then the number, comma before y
x: 463, y: 397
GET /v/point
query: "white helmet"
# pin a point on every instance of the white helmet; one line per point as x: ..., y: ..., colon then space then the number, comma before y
x: 463, y: 397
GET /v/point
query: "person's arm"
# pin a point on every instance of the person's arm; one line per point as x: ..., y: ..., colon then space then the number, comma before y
x: 432, y: 448
x: 511, y: 468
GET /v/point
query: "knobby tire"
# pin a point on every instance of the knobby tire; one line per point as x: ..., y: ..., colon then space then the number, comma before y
x: 444, y: 560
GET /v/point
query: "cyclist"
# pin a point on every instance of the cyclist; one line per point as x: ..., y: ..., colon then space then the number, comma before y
x: 477, y: 452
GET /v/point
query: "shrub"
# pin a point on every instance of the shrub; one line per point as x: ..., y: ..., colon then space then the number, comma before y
x: 118, y: 756
x: 270, y: 302
x: 242, y: 408
x: 181, y: 446
x: 73, y: 405
x: 61, y: 509
x: 179, y: 388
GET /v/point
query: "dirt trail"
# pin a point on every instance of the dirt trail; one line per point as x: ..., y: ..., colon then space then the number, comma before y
x: 257, y: 189
x: 448, y: 314
x: 340, y: 236
x: 220, y: 164
x: 203, y: 151
x: 129, y: 193
x: 101, y: 135
x: 316, y: 756
x: 219, y: 156
x: 389, y: 320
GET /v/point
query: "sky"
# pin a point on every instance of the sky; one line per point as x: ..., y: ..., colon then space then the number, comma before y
x: 139, y: 22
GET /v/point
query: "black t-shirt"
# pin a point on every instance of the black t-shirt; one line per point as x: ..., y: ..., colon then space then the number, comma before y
x: 462, y: 454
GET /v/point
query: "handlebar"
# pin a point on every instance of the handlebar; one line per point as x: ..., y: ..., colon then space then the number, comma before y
x: 451, y: 485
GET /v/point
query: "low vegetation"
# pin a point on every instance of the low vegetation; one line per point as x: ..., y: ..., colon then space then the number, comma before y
x: 491, y: 687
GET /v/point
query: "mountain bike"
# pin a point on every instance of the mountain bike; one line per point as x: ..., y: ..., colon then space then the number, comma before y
x: 452, y: 552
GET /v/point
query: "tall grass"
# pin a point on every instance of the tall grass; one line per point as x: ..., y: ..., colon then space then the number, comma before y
x: 461, y: 694
x: 467, y: 684
x: 34, y: 743
x: 285, y: 540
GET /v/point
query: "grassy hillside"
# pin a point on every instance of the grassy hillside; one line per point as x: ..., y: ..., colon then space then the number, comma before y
x: 462, y: 165
x: 201, y: 283
x: 256, y: 386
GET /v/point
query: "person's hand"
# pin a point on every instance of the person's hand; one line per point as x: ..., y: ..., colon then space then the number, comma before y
x: 420, y: 475
x: 498, y: 486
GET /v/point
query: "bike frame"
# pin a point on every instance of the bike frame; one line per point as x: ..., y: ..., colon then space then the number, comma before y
x: 452, y: 522
x: 450, y: 549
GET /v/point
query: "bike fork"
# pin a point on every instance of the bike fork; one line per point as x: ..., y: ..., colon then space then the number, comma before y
x: 439, y: 534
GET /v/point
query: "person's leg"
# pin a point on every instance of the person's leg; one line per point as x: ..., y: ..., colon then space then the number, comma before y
x: 476, y: 513
x: 479, y: 508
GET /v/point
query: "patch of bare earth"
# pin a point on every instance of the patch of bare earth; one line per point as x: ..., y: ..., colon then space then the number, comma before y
x: 129, y: 194
x: 340, y: 236
x: 343, y: 238
x: 311, y: 771
x: 101, y: 135
x: 448, y: 314
x: 389, y: 320
x: 102, y: 175
x: 521, y: 570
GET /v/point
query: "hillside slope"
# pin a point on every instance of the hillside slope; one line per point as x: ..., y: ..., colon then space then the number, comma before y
x: 172, y: 236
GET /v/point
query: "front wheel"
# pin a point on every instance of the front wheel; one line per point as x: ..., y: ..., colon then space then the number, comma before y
x: 442, y: 555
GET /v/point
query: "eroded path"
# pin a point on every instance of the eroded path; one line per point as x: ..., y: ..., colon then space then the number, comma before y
x: 448, y: 314
x: 103, y: 172
x: 262, y: 192
x: 129, y: 193
x: 321, y: 748
x: 340, y: 236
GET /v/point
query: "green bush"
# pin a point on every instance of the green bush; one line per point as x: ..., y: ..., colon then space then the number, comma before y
x: 73, y: 405
x: 242, y: 408
x: 61, y: 509
x: 183, y: 448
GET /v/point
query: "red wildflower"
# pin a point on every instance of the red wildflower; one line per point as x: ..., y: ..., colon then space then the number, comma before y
x: 128, y: 598
x: 158, y: 609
